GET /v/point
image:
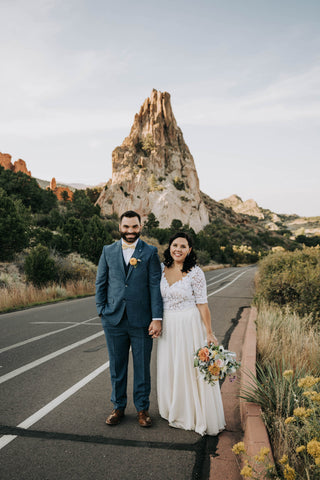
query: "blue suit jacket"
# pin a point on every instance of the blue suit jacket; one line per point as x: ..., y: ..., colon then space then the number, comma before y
x: 138, y: 292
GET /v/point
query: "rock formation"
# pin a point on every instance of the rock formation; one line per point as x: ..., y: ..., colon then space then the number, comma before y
x: 249, y: 207
x: 59, y: 191
x: 18, y: 166
x: 154, y: 171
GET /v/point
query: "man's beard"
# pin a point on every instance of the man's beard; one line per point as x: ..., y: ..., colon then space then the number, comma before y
x: 134, y: 237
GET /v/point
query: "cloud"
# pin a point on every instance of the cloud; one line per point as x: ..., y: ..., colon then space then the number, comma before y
x: 289, y: 99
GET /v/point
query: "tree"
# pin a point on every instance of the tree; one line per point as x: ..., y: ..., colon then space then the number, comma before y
x: 75, y: 230
x: 93, y: 194
x: 14, y: 226
x: 21, y: 186
x: 82, y: 206
x: 55, y: 219
x: 40, y: 267
x: 61, y: 243
x: 176, y: 225
x: 65, y: 195
x: 151, y: 223
x: 94, y: 239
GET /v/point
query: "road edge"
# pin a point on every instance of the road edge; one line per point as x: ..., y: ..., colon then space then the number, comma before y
x: 243, y: 419
x: 255, y: 432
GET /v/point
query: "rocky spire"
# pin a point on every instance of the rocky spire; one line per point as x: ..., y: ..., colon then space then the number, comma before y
x: 153, y: 170
x: 18, y: 166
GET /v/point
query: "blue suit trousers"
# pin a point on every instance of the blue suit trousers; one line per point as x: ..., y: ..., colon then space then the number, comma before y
x: 119, y: 339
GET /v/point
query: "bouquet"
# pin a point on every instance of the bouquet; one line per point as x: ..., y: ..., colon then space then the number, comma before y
x: 214, y: 363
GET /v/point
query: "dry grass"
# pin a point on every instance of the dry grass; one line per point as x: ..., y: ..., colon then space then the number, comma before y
x: 76, y: 279
x: 283, y: 336
x: 24, y: 295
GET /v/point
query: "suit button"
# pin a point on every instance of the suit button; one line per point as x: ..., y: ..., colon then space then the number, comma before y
x: 126, y: 285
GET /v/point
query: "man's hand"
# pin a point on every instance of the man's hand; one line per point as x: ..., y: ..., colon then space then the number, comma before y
x: 155, y: 328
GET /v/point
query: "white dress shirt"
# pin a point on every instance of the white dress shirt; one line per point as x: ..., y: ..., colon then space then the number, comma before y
x: 128, y: 252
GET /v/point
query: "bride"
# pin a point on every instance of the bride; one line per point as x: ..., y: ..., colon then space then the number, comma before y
x: 184, y: 399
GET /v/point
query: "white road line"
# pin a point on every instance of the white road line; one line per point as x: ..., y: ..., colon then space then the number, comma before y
x: 6, y: 439
x: 39, y: 337
x: 217, y: 276
x: 228, y: 284
x: 54, y: 323
x: 41, y: 360
x: 227, y: 276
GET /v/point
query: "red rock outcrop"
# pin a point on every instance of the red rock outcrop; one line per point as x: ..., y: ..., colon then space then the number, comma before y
x: 18, y: 166
x: 59, y: 191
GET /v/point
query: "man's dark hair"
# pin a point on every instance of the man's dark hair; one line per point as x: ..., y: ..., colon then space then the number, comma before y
x: 191, y: 258
x: 130, y: 214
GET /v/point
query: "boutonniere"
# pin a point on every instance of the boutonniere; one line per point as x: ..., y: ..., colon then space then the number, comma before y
x: 134, y: 261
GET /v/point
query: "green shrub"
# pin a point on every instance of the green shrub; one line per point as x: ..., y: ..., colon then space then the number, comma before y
x: 39, y: 267
x: 292, y: 279
x: 203, y: 257
x: 26, y: 189
x: 14, y: 226
x: 74, y: 267
x: 148, y: 144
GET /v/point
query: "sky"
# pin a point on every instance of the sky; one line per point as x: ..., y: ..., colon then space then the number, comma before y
x: 243, y: 75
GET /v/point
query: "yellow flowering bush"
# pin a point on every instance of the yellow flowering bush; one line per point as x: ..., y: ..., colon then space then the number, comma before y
x: 289, y: 420
x: 247, y: 471
x: 313, y: 448
x: 288, y: 472
x: 253, y: 466
x: 283, y: 459
x: 308, y: 382
x: 302, y: 412
x: 303, y: 432
x: 239, y: 448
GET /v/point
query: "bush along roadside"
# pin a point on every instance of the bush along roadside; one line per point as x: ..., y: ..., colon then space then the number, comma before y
x: 291, y: 280
x: 41, y: 276
x: 287, y: 384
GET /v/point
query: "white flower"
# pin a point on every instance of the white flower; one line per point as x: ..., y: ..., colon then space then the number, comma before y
x: 221, y: 349
x: 219, y: 363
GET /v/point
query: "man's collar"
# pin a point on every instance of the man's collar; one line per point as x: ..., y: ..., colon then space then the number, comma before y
x: 134, y: 244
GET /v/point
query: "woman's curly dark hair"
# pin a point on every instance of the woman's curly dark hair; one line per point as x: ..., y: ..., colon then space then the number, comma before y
x: 190, y: 260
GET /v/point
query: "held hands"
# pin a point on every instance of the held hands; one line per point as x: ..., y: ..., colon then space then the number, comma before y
x: 212, y: 339
x: 155, y: 328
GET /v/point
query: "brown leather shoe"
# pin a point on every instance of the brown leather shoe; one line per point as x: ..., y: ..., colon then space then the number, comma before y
x: 115, y: 417
x: 144, y: 419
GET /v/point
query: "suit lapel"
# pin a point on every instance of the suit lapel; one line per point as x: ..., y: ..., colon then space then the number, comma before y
x: 136, y: 254
x: 120, y: 259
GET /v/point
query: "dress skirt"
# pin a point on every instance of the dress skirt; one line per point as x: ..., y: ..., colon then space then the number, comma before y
x: 184, y: 398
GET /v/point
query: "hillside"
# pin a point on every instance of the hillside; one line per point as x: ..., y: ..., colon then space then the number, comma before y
x: 309, y: 226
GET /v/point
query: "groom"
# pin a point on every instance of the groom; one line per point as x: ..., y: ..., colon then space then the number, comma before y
x: 129, y: 303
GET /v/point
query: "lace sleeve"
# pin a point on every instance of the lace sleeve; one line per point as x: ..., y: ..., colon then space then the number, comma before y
x: 199, y: 285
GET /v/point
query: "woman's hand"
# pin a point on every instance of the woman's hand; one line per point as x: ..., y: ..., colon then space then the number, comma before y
x: 212, y: 339
x: 155, y: 328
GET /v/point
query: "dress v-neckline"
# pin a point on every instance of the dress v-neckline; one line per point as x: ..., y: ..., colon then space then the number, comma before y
x: 164, y: 275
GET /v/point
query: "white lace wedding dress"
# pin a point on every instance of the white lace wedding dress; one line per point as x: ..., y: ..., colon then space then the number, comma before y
x: 184, y: 398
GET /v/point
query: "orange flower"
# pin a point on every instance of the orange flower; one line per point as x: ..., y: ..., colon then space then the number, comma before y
x: 214, y: 369
x: 203, y: 354
x: 133, y: 261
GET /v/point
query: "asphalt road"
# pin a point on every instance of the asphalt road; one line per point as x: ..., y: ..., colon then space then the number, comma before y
x: 55, y: 391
